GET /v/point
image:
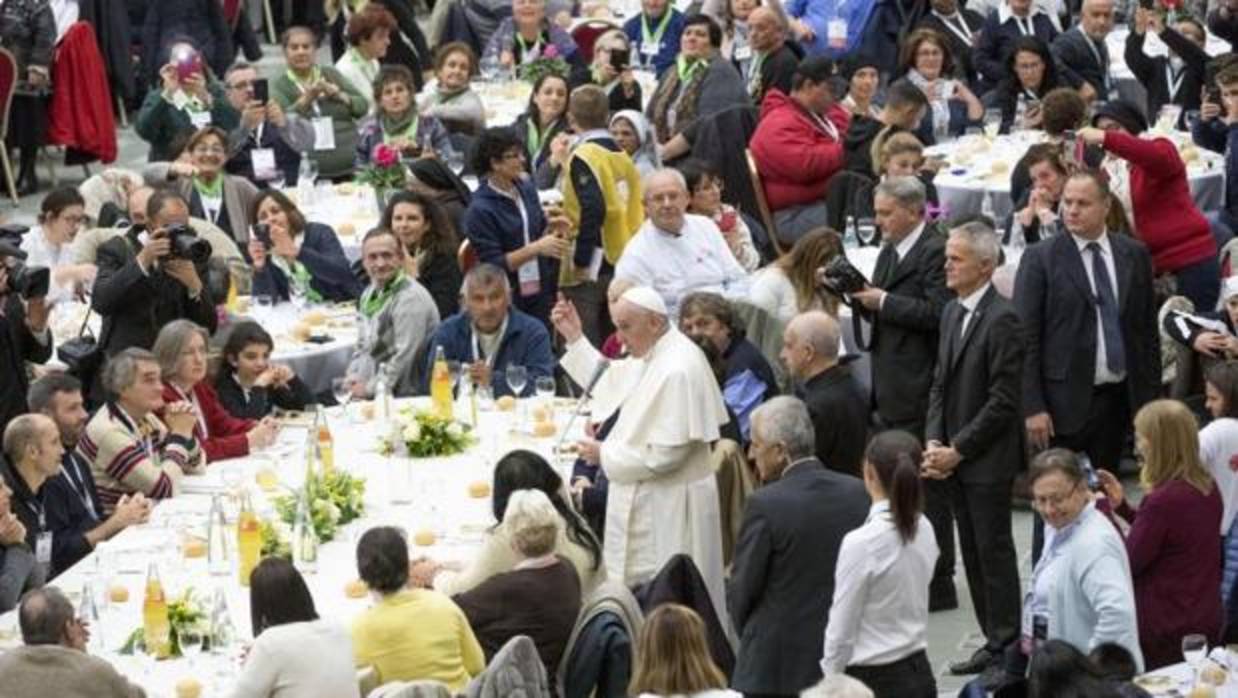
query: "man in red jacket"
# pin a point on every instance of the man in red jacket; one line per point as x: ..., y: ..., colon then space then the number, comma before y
x: 798, y: 146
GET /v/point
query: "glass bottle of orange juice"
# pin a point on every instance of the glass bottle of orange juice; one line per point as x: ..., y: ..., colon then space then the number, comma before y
x: 326, y: 442
x: 248, y: 540
x: 440, y: 385
x: 156, y: 627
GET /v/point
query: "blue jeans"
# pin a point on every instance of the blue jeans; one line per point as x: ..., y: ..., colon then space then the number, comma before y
x: 1200, y: 282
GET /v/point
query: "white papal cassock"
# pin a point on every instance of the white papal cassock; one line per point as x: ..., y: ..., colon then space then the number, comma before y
x: 663, y: 498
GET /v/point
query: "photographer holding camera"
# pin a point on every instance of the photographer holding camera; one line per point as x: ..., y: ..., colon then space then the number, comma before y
x: 152, y: 275
x: 24, y: 335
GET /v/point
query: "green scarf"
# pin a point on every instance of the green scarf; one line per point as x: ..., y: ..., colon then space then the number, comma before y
x: 214, y: 191
x: 315, y: 76
x: 536, y: 136
x: 301, y: 279
x: 366, y: 66
x: 402, y: 127
x: 688, y: 68
x: 374, y: 300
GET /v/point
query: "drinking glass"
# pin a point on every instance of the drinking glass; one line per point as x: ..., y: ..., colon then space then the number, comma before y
x: 341, y: 388
x: 191, y: 639
x: 866, y: 230
x: 545, y: 387
x: 517, y: 379
x: 277, y: 183
x: 264, y: 303
x: 453, y: 371
x: 311, y: 171
x: 992, y: 122
x: 1194, y: 650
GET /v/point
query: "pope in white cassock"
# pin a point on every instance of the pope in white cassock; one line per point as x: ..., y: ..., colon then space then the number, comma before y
x: 663, y: 498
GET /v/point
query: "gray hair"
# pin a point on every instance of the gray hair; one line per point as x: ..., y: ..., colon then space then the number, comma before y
x: 23, y: 433
x: 907, y: 191
x: 982, y: 240
x: 532, y: 522
x: 819, y: 330
x: 785, y: 420
x: 483, y: 275
x: 122, y: 369
x: 837, y: 686
x: 664, y: 173
x: 43, y: 615
x: 171, y: 343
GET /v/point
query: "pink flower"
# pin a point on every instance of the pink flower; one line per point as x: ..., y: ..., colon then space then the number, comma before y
x: 551, y: 51
x: 385, y: 155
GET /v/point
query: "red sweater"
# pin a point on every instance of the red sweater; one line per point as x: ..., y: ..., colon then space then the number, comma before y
x: 794, y: 154
x: 1166, y: 219
x: 226, y: 435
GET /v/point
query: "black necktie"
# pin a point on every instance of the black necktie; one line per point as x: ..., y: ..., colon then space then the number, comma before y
x: 1107, y: 302
x: 887, y: 259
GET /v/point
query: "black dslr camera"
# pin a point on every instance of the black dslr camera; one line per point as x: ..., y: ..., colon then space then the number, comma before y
x: 840, y: 277
x: 262, y: 233
x: 30, y: 282
x: 185, y: 244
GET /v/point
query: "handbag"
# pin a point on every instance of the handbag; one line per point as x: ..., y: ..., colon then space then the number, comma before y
x: 82, y: 354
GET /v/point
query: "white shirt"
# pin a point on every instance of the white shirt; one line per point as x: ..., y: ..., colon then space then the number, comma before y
x: 42, y: 253
x: 300, y: 660
x: 1027, y: 24
x: 1103, y: 374
x: 880, y: 610
x: 970, y: 302
x: 902, y: 247
x: 697, y: 259
x: 1218, y: 442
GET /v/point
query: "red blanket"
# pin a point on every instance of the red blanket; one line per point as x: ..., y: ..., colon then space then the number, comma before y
x: 81, y: 112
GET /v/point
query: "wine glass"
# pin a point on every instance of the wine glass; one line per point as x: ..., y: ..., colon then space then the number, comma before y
x: 1194, y: 649
x: 453, y: 372
x: 191, y: 639
x: 866, y: 230
x: 341, y: 388
x: 264, y: 303
x: 517, y: 379
x: 544, y: 386
x: 992, y: 122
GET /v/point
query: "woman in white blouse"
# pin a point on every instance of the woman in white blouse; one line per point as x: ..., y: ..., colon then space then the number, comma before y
x: 295, y: 654
x: 789, y: 286
x: 879, y: 615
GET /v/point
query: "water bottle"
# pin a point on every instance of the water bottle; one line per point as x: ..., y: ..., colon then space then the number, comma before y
x: 305, y: 180
x: 986, y: 208
x: 382, y: 396
x: 88, y: 612
x: 850, y: 238
x: 218, y: 559
x: 223, y: 633
x: 304, y: 539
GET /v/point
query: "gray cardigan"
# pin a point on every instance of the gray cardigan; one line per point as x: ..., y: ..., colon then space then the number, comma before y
x: 396, y: 336
x: 53, y: 670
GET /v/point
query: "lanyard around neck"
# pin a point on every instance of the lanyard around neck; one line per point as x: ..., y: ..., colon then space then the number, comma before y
x: 1174, y: 83
x: 960, y: 30
x: 656, y: 36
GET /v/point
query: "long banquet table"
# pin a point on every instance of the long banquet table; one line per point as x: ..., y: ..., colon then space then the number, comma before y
x: 417, y: 495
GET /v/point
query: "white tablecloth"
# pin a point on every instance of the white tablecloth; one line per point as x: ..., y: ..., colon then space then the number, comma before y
x: 978, y: 167
x: 437, y: 488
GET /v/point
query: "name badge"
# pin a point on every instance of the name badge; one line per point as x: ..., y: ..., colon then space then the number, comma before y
x: 650, y: 49
x: 324, y: 133
x: 200, y: 119
x: 43, y: 548
x: 264, y: 163
x: 836, y: 33
x: 530, y: 278
x: 743, y: 53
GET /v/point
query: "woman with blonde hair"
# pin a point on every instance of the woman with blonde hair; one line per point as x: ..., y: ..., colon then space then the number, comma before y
x: 672, y: 658
x: 789, y: 286
x: 901, y: 154
x: 1174, y: 542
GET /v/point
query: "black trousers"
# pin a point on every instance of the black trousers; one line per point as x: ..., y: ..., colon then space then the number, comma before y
x: 1102, y: 438
x: 982, y: 511
x: 910, y: 677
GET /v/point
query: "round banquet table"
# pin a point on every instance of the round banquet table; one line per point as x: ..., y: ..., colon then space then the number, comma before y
x: 316, y: 363
x: 425, y: 494
x: 977, y: 166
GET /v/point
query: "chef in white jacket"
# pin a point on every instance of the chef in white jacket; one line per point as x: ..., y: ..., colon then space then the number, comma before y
x: 663, y: 499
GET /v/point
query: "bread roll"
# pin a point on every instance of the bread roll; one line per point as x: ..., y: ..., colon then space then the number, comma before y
x: 188, y: 687
x: 424, y: 537
x: 355, y: 589
x: 479, y: 489
x: 118, y: 593
x: 507, y: 403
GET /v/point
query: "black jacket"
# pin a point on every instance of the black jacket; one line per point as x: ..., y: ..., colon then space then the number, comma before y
x: 680, y: 581
x: 17, y: 346
x: 904, y: 339
x: 260, y: 401
x: 67, y: 513
x: 993, y: 47
x: 135, y: 304
x: 201, y: 21
x: 783, y: 575
x: 1058, y: 313
x: 110, y: 20
x: 960, y: 49
x: 839, y: 412
x: 1152, y: 72
x: 976, y: 402
x: 1077, y: 64
x: 776, y: 71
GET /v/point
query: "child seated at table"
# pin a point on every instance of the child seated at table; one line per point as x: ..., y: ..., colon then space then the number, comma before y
x: 902, y: 155
x: 249, y: 385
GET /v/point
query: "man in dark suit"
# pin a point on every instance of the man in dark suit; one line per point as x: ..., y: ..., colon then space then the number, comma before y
x: 1176, y: 79
x: 141, y: 286
x: 1089, y: 326
x: 835, y: 402
x: 1011, y: 19
x: 904, y: 305
x: 974, y: 435
x: 961, y: 28
x: 783, y: 573
x: 1081, y: 55
x: 24, y: 336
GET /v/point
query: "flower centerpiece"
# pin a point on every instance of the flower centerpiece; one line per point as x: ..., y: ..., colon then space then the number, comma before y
x: 335, y: 499
x: 183, y: 613
x: 426, y: 435
x: 385, y: 172
x: 548, y: 62
x: 276, y: 537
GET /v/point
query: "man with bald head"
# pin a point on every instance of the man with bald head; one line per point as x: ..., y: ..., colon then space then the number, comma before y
x: 666, y: 408
x: 32, y: 450
x: 772, y: 62
x: 676, y: 252
x: 1081, y: 54
x: 839, y: 409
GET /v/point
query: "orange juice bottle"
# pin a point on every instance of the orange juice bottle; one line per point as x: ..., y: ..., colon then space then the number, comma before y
x: 248, y: 540
x: 156, y: 628
x: 440, y: 385
x: 326, y: 442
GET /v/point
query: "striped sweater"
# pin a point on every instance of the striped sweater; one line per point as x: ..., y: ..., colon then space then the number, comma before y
x: 126, y: 457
